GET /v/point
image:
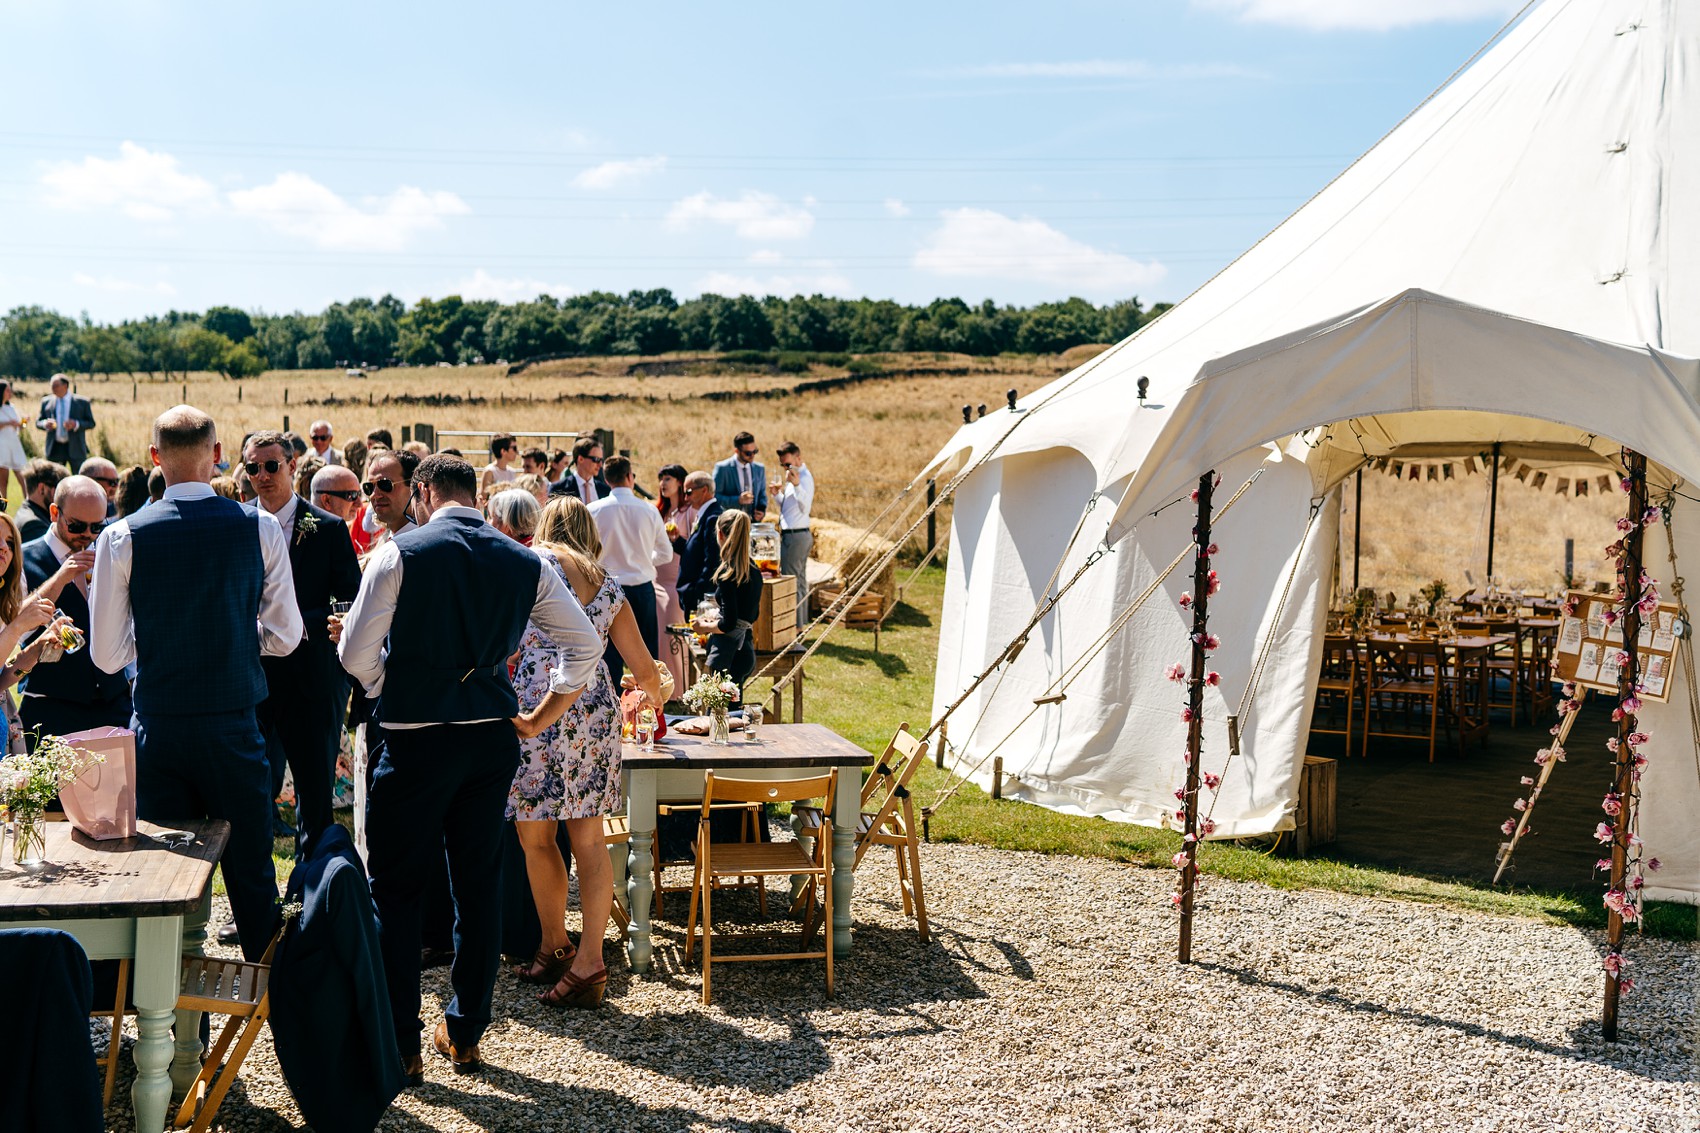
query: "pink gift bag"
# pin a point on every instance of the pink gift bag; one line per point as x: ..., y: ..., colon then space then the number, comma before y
x: 102, y: 801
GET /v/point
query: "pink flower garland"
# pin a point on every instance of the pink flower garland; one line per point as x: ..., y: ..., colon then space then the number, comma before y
x: 1210, y: 781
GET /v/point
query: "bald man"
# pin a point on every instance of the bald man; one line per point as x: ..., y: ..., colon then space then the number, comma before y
x: 195, y: 589
x: 104, y: 473
x: 71, y: 695
x: 337, y: 490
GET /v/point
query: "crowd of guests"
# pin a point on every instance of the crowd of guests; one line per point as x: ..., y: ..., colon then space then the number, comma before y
x: 475, y: 622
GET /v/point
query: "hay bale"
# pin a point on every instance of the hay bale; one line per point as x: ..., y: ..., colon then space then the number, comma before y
x: 834, y: 540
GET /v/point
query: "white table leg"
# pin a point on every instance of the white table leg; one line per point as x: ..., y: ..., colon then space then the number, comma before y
x: 640, y: 865
x: 846, y: 809
x: 159, y: 943
x: 186, y: 1063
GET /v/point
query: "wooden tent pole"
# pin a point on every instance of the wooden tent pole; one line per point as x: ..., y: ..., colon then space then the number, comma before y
x: 1195, y: 702
x: 1357, y: 531
x: 1493, y: 510
x: 1628, y: 677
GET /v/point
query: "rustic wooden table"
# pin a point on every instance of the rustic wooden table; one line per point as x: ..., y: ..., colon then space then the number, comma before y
x: 675, y: 771
x: 146, y: 899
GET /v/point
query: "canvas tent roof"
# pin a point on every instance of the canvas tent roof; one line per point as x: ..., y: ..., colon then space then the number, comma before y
x: 1518, y: 261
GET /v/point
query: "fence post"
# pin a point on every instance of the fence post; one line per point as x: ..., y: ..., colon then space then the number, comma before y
x: 286, y: 422
x: 932, y: 516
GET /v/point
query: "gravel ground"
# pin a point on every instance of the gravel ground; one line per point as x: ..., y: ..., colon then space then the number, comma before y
x: 1050, y: 999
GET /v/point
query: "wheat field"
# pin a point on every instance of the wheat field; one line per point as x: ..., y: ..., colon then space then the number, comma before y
x: 863, y: 440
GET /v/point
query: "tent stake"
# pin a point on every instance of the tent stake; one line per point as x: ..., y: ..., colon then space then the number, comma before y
x: 1195, y: 701
x: 1628, y: 676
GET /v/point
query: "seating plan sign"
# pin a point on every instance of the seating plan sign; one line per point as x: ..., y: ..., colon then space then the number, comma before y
x: 1588, y: 646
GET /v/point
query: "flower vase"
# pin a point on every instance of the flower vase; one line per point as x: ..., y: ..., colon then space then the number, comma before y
x: 719, y: 728
x: 29, y: 839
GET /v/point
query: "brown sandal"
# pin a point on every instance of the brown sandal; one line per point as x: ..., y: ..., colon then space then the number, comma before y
x: 577, y: 991
x: 547, y: 966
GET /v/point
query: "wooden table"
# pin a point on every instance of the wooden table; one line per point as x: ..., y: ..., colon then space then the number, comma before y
x: 675, y: 771
x: 1467, y: 649
x: 146, y: 899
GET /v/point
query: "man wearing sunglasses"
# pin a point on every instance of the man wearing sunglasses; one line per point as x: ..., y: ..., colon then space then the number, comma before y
x: 104, y: 473
x: 337, y: 490
x: 389, y: 487
x: 319, y: 435
x: 740, y: 481
x: 195, y: 589
x: 71, y: 695
x: 584, y: 480
x: 299, y: 716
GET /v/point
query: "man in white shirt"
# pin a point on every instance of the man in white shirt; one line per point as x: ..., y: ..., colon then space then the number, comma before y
x: 634, y: 543
x: 389, y: 485
x: 795, y: 495
x: 441, y: 609
x: 195, y: 589
x: 319, y: 435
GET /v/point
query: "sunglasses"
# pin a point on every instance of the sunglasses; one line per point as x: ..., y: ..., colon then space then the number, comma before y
x: 747, y: 452
x: 596, y: 460
x: 345, y: 494
x: 381, y: 484
x: 109, y: 481
x: 321, y: 436
x: 271, y: 466
x: 78, y: 527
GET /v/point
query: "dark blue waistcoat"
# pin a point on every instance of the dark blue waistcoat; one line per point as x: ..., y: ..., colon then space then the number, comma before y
x: 196, y: 578
x: 466, y: 593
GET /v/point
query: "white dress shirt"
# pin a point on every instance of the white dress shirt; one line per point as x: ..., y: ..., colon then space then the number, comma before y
x: 797, y: 500
x: 112, y: 635
x: 365, y: 634
x: 284, y: 515
x: 634, y: 537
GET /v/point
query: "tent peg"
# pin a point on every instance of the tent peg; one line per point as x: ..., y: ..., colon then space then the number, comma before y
x: 1233, y: 735
x: 1054, y: 698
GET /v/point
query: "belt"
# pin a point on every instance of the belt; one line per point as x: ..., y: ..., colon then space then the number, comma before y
x: 793, y: 530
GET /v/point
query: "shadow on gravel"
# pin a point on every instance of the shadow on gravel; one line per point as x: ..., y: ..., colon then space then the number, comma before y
x: 1586, y: 1044
x: 528, y: 1103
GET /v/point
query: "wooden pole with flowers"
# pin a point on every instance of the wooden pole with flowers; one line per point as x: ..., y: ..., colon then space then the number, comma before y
x: 1635, y: 591
x: 1202, y: 587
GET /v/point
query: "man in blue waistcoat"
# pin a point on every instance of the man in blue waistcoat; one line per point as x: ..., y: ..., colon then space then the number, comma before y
x: 71, y: 695
x: 441, y: 609
x: 194, y: 589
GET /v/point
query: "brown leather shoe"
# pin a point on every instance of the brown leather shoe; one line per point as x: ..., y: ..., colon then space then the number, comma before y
x: 464, y: 1060
x: 413, y: 1069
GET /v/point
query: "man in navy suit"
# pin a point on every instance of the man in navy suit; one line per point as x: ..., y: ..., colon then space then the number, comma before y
x: 66, y: 419
x: 740, y: 482
x: 299, y: 716
x: 194, y: 589
x: 584, y: 479
x: 71, y: 695
x: 701, y: 557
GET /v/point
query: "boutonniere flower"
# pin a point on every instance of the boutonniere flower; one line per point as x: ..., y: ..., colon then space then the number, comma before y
x: 305, y: 525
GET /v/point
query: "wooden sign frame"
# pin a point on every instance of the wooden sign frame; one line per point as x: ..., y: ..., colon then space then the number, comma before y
x: 1587, y: 649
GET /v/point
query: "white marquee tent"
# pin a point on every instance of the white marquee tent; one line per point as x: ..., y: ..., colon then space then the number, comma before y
x: 1517, y: 262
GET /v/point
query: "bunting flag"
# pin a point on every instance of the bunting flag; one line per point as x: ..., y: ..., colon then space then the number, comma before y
x: 1439, y: 472
x: 1523, y: 474
x: 1470, y: 465
x: 1539, y: 481
x: 1604, y: 484
x: 1433, y: 472
x: 1563, y: 486
x: 1581, y: 488
x: 1448, y: 472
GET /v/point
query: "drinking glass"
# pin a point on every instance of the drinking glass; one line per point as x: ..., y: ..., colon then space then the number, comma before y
x: 752, y: 722
x: 646, y: 728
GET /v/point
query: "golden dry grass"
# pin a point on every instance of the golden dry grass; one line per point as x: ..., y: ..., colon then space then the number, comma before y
x: 1415, y: 531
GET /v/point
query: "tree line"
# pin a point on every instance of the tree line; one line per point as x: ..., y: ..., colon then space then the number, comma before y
x: 35, y: 342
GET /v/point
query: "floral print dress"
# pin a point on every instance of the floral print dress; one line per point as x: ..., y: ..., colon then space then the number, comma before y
x: 572, y: 769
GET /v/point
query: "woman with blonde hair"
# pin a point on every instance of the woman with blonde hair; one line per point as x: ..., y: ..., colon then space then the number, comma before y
x: 737, y: 590
x: 19, y: 616
x: 570, y: 770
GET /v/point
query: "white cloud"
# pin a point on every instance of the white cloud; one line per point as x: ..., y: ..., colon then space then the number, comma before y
x: 895, y: 207
x: 766, y: 256
x: 1368, y: 15
x: 754, y: 216
x: 482, y: 285
x: 121, y: 286
x: 139, y: 183
x: 1101, y: 69
x: 725, y: 283
x: 612, y: 173
x: 980, y: 243
x: 298, y: 205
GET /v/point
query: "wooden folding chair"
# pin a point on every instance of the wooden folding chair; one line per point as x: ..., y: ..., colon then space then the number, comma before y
x: 114, y: 1042
x: 241, y: 990
x: 749, y: 830
x: 1340, y: 681
x: 1401, y: 677
x: 887, y: 818
x: 617, y: 832
x: 717, y: 863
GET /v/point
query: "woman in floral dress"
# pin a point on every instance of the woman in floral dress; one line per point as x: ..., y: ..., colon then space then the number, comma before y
x: 571, y: 768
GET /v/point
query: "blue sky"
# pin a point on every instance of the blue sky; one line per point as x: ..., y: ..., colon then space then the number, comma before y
x: 278, y: 157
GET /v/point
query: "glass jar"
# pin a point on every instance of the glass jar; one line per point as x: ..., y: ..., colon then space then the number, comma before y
x: 764, y: 548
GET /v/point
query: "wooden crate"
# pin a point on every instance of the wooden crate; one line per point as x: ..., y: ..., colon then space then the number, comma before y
x: 1314, y: 818
x: 777, y: 623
